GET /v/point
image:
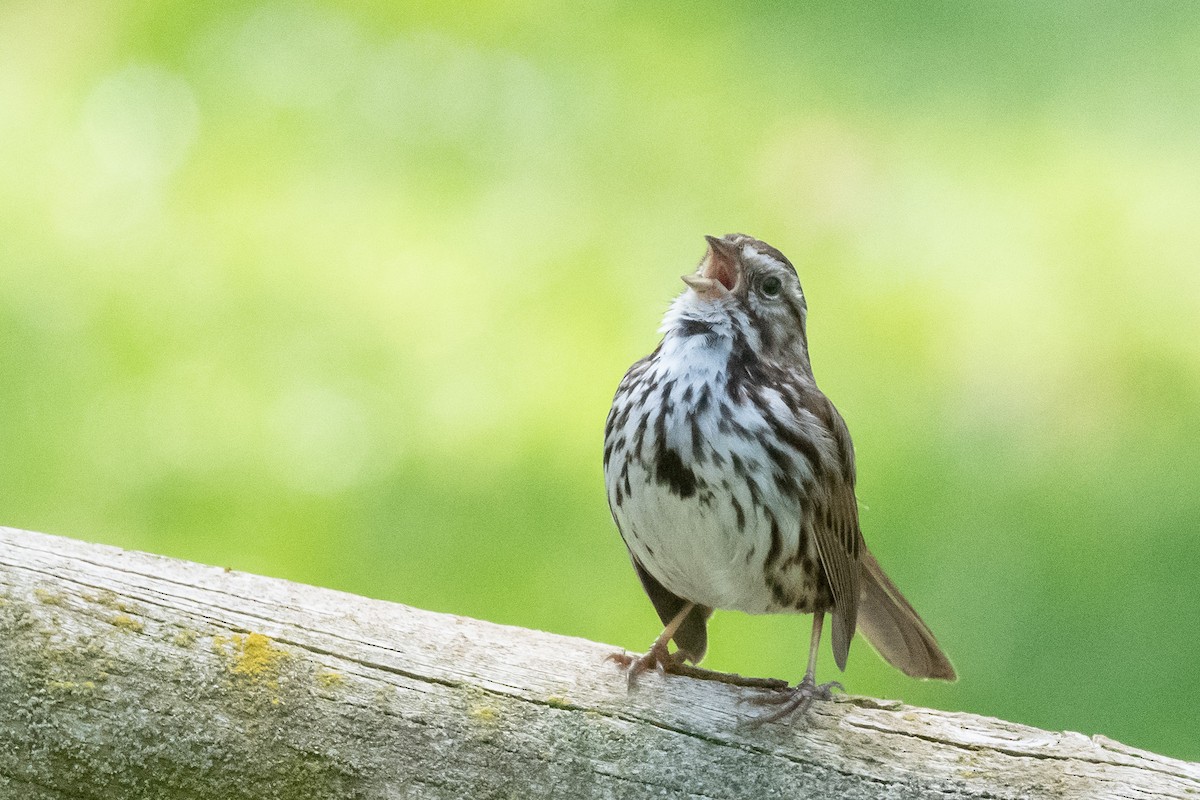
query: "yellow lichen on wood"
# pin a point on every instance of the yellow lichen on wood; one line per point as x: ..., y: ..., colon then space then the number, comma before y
x: 251, y: 657
x: 484, y: 714
x: 109, y: 599
x: 128, y: 623
x: 184, y: 638
x: 50, y: 598
x: 330, y: 679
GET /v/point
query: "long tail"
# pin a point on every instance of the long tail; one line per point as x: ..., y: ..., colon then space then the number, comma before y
x: 895, y: 629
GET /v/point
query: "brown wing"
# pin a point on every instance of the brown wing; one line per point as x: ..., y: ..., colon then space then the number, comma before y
x: 839, y: 543
x: 835, y: 528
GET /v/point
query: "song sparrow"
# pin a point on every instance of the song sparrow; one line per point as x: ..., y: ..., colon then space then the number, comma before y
x: 731, y: 478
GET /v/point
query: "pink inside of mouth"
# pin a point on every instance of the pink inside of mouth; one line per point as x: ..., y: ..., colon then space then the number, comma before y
x: 724, y: 272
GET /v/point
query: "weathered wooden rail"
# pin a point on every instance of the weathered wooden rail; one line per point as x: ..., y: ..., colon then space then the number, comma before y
x: 127, y: 675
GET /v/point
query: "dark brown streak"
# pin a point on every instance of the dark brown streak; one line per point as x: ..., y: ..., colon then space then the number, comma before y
x: 766, y: 332
x: 639, y: 435
x: 737, y: 510
x: 695, y: 327
x: 743, y: 367
x: 702, y: 401
x: 803, y: 445
x: 670, y: 471
x: 776, y: 542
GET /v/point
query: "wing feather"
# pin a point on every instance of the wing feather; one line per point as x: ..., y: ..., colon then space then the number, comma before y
x: 835, y: 529
x: 838, y: 541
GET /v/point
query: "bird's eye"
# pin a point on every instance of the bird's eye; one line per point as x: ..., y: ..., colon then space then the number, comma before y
x: 770, y: 286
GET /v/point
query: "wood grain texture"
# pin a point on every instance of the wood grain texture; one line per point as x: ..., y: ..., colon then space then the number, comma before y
x: 127, y: 675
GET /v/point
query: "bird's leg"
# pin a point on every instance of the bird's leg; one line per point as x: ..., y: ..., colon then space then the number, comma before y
x: 658, y: 656
x: 798, y: 700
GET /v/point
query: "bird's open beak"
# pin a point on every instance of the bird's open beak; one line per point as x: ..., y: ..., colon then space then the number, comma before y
x: 719, y: 273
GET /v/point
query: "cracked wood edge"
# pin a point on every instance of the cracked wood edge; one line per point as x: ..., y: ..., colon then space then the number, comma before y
x: 129, y: 675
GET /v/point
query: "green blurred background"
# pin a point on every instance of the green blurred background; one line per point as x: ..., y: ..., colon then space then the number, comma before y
x: 342, y: 294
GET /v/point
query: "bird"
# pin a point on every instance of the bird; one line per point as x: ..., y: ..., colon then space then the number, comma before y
x: 731, y: 479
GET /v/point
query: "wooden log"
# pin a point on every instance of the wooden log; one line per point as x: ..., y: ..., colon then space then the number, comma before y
x: 128, y: 675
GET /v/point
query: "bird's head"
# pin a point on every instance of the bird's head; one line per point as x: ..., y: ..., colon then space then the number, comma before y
x: 757, y: 287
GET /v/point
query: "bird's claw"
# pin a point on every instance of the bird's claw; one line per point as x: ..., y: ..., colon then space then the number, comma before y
x: 795, y: 701
x: 657, y: 658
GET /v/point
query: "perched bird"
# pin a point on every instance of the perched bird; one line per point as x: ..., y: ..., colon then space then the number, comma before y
x: 731, y: 478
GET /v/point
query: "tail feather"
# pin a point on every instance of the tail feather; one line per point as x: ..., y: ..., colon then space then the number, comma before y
x: 895, y: 629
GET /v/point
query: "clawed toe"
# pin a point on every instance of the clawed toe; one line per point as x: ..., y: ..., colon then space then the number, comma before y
x: 657, y: 658
x: 796, y: 701
x: 621, y: 659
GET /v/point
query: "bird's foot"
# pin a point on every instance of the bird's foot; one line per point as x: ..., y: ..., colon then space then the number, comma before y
x: 657, y: 658
x: 795, y: 701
